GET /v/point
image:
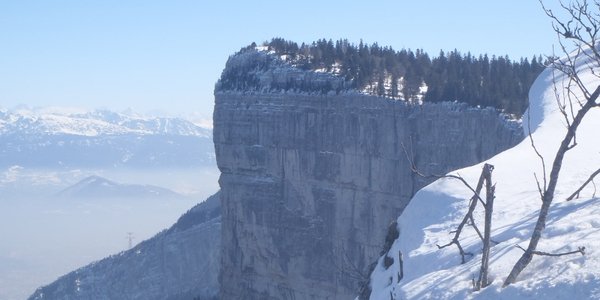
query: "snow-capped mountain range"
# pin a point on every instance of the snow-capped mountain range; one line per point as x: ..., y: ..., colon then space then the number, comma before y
x: 55, y: 121
x: 58, y: 137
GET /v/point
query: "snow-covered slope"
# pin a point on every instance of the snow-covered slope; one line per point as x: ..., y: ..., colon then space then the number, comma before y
x: 435, y: 211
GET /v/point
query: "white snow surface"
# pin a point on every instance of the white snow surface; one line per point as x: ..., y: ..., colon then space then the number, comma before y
x: 436, y: 210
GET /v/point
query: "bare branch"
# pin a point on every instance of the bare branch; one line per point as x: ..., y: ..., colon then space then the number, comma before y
x: 541, y: 253
x: 484, y: 177
x: 455, y: 239
x: 538, y: 155
x: 457, y: 177
x: 560, y: 100
x: 348, y: 266
x: 594, y: 97
x: 590, y: 179
x: 472, y: 223
x: 540, y: 191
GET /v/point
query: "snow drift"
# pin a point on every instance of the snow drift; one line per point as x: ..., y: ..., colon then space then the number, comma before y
x: 435, y: 211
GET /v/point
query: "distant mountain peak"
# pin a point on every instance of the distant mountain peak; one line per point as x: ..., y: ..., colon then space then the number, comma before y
x: 96, y: 187
x: 95, y: 180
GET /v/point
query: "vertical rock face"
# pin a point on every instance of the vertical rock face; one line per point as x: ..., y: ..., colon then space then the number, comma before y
x: 310, y: 182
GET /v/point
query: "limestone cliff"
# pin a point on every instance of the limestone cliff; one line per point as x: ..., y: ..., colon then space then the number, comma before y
x: 312, y: 177
x: 180, y: 263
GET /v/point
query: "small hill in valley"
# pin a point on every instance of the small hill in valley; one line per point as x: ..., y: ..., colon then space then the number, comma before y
x: 95, y: 187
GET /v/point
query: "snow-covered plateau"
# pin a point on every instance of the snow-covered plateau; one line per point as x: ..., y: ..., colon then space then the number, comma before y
x: 436, y: 211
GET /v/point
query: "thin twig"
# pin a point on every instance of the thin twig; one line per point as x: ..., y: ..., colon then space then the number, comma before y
x: 538, y: 154
x: 479, y: 232
x: 472, y: 203
x: 414, y: 169
x: 469, y: 215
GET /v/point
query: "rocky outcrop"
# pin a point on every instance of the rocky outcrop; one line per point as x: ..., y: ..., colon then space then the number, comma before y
x: 179, y: 263
x: 311, y: 181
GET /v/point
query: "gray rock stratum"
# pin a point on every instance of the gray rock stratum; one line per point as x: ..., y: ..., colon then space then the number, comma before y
x: 311, y: 180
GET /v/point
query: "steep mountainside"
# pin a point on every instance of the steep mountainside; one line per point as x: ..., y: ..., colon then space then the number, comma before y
x: 431, y: 273
x: 311, y: 178
x: 180, y: 263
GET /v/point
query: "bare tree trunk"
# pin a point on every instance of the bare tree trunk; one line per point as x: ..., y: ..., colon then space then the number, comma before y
x: 400, y: 266
x: 548, y: 194
x: 489, y: 209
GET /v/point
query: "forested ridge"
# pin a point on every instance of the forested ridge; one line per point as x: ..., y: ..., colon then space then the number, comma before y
x: 414, y: 76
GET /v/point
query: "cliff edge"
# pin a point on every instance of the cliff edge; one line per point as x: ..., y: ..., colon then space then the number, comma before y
x: 313, y: 173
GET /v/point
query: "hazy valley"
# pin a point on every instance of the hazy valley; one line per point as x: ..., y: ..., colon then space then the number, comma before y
x: 74, y: 185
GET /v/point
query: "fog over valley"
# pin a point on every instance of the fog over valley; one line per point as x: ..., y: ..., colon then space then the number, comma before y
x: 77, y: 190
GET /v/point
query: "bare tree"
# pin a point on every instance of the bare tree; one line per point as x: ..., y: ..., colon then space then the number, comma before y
x: 578, y: 37
x: 490, y: 190
x: 488, y: 205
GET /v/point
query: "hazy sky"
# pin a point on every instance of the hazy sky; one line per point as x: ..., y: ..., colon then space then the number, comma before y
x: 167, y: 55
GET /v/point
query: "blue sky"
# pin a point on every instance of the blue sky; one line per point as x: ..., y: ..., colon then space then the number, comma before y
x: 167, y: 55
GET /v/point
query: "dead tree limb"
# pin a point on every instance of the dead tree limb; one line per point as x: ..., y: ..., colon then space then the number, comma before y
x: 457, y: 232
x: 590, y: 179
x: 472, y: 223
x: 479, y: 232
x: 539, y: 156
x: 485, y: 176
x: 489, y: 209
x: 415, y: 170
x: 400, y: 267
x: 466, y: 218
x: 348, y: 266
x: 535, y: 252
